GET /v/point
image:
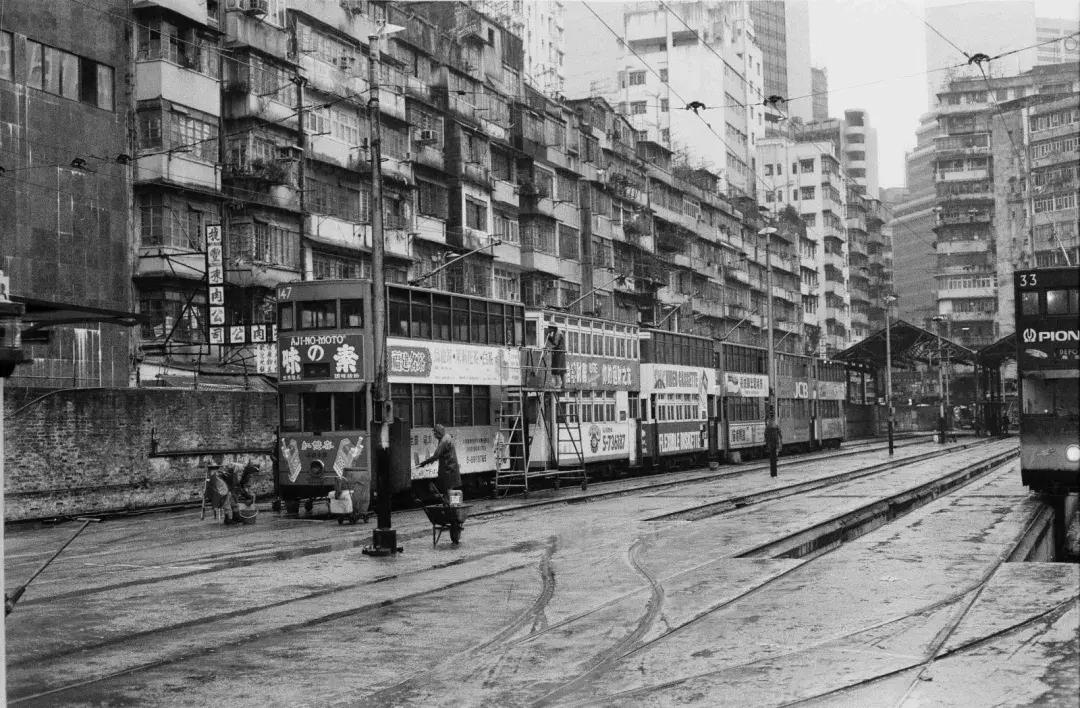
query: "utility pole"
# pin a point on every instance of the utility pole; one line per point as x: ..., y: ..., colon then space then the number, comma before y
x: 941, y: 380
x: 772, y: 430
x: 889, y: 299
x: 384, y: 537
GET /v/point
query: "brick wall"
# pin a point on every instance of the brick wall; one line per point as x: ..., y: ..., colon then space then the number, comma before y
x: 89, y: 450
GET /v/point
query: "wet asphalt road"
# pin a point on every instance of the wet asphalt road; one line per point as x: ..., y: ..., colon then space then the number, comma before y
x: 586, y: 603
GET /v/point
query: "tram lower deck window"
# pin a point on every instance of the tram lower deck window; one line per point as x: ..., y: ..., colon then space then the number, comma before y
x: 321, y: 412
x: 453, y: 406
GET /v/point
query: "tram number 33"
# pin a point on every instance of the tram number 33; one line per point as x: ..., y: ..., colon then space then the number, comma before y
x: 1029, y: 280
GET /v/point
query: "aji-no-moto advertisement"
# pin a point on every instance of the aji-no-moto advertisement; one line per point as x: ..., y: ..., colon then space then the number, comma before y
x: 320, y: 459
x: 477, y: 447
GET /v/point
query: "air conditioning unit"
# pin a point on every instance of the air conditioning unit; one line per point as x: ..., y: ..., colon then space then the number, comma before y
x: 255, y: 7
x: 353, y: 7
x: 426, y: 136
x: 345, y: 63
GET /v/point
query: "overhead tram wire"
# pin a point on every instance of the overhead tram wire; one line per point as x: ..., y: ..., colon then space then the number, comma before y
x: 230, y: 56
x: 687, y: 104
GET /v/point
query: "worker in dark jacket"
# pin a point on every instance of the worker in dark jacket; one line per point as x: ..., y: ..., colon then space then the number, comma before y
x: 556, y: 346
x: 446, y: 453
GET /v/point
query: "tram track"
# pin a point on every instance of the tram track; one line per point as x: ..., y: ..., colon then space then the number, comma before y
x: 255, y: 557
x: 624, y: 648
x: 967, y: 595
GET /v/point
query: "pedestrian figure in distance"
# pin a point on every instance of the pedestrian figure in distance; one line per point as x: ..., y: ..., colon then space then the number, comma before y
x: 556, y: 346
x: 449, y: 473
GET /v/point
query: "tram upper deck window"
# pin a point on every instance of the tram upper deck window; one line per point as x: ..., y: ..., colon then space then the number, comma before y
x: 352, y: 313
x: 398, y: 313
x: 318, y: 314
x: 440, y: 317
x: 1058, y: 302
x: 420, y: 316
x: 286, y: 319
x: 1029, y: 302
x: 478, y: 329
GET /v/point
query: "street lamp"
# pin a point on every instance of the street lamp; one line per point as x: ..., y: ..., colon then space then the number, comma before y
x: 944, y: 394
x: 384, y: 537
x: 772, y: 432
x: 889, y: 300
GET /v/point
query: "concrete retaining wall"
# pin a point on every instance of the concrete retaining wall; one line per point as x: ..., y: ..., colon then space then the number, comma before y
x: 83, y: 451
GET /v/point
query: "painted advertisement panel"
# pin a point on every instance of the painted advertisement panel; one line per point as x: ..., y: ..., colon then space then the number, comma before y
x: 831, y: 428
x: 322, y: 357
x: 673, y: 378
x: 594, y: 373
x: 831, y: 390
x: 746, y: 385
x: 673, y: 438
x: 600, y: 441
x: 746, y: 434
x: 477, y: 447
x: 418, y: 361
x: 319, y: 459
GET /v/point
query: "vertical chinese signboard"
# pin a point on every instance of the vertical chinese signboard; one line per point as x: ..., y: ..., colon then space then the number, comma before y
x: 215, y: 283
x: 219, y: 332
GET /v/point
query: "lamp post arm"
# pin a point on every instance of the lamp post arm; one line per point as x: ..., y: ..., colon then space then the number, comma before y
x: 598, y: 287
x: 419, y: 279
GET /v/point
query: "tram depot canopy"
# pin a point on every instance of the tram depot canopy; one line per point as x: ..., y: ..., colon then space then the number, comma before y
x: 909, y: 344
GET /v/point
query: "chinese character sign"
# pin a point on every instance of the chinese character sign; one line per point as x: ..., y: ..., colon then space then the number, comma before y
x: 215, y: 282
x: 332, y: 357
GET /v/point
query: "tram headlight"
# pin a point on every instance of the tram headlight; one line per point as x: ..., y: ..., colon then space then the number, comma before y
x: 1072, y: 453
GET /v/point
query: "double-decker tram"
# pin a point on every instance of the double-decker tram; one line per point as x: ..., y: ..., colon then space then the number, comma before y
x: 678, y: 387
x: 595, y: 422
x: 323, y: 389
x: 828, y: 424
x: 793, y: 400
x: 453, y: 359
x: 1048, y: 377
x: 745, y: 392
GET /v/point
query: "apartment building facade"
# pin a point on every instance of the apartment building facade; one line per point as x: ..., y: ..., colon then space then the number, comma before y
x: 248, y: 165
x: 65, y: 188
x: 1005, y: 191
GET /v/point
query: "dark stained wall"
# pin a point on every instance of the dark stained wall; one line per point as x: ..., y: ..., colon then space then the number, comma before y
x: 65, y: 232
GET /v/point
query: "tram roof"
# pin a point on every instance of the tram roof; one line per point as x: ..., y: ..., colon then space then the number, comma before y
x: 910, y: 343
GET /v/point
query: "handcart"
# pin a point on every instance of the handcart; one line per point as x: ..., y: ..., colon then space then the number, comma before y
x: 349, y: 500
x: 445, y: 517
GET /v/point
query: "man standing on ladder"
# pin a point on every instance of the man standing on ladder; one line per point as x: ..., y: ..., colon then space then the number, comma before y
x: 556, y: 346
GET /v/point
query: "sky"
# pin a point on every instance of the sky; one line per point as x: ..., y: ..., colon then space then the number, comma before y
x: 875, y: 53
